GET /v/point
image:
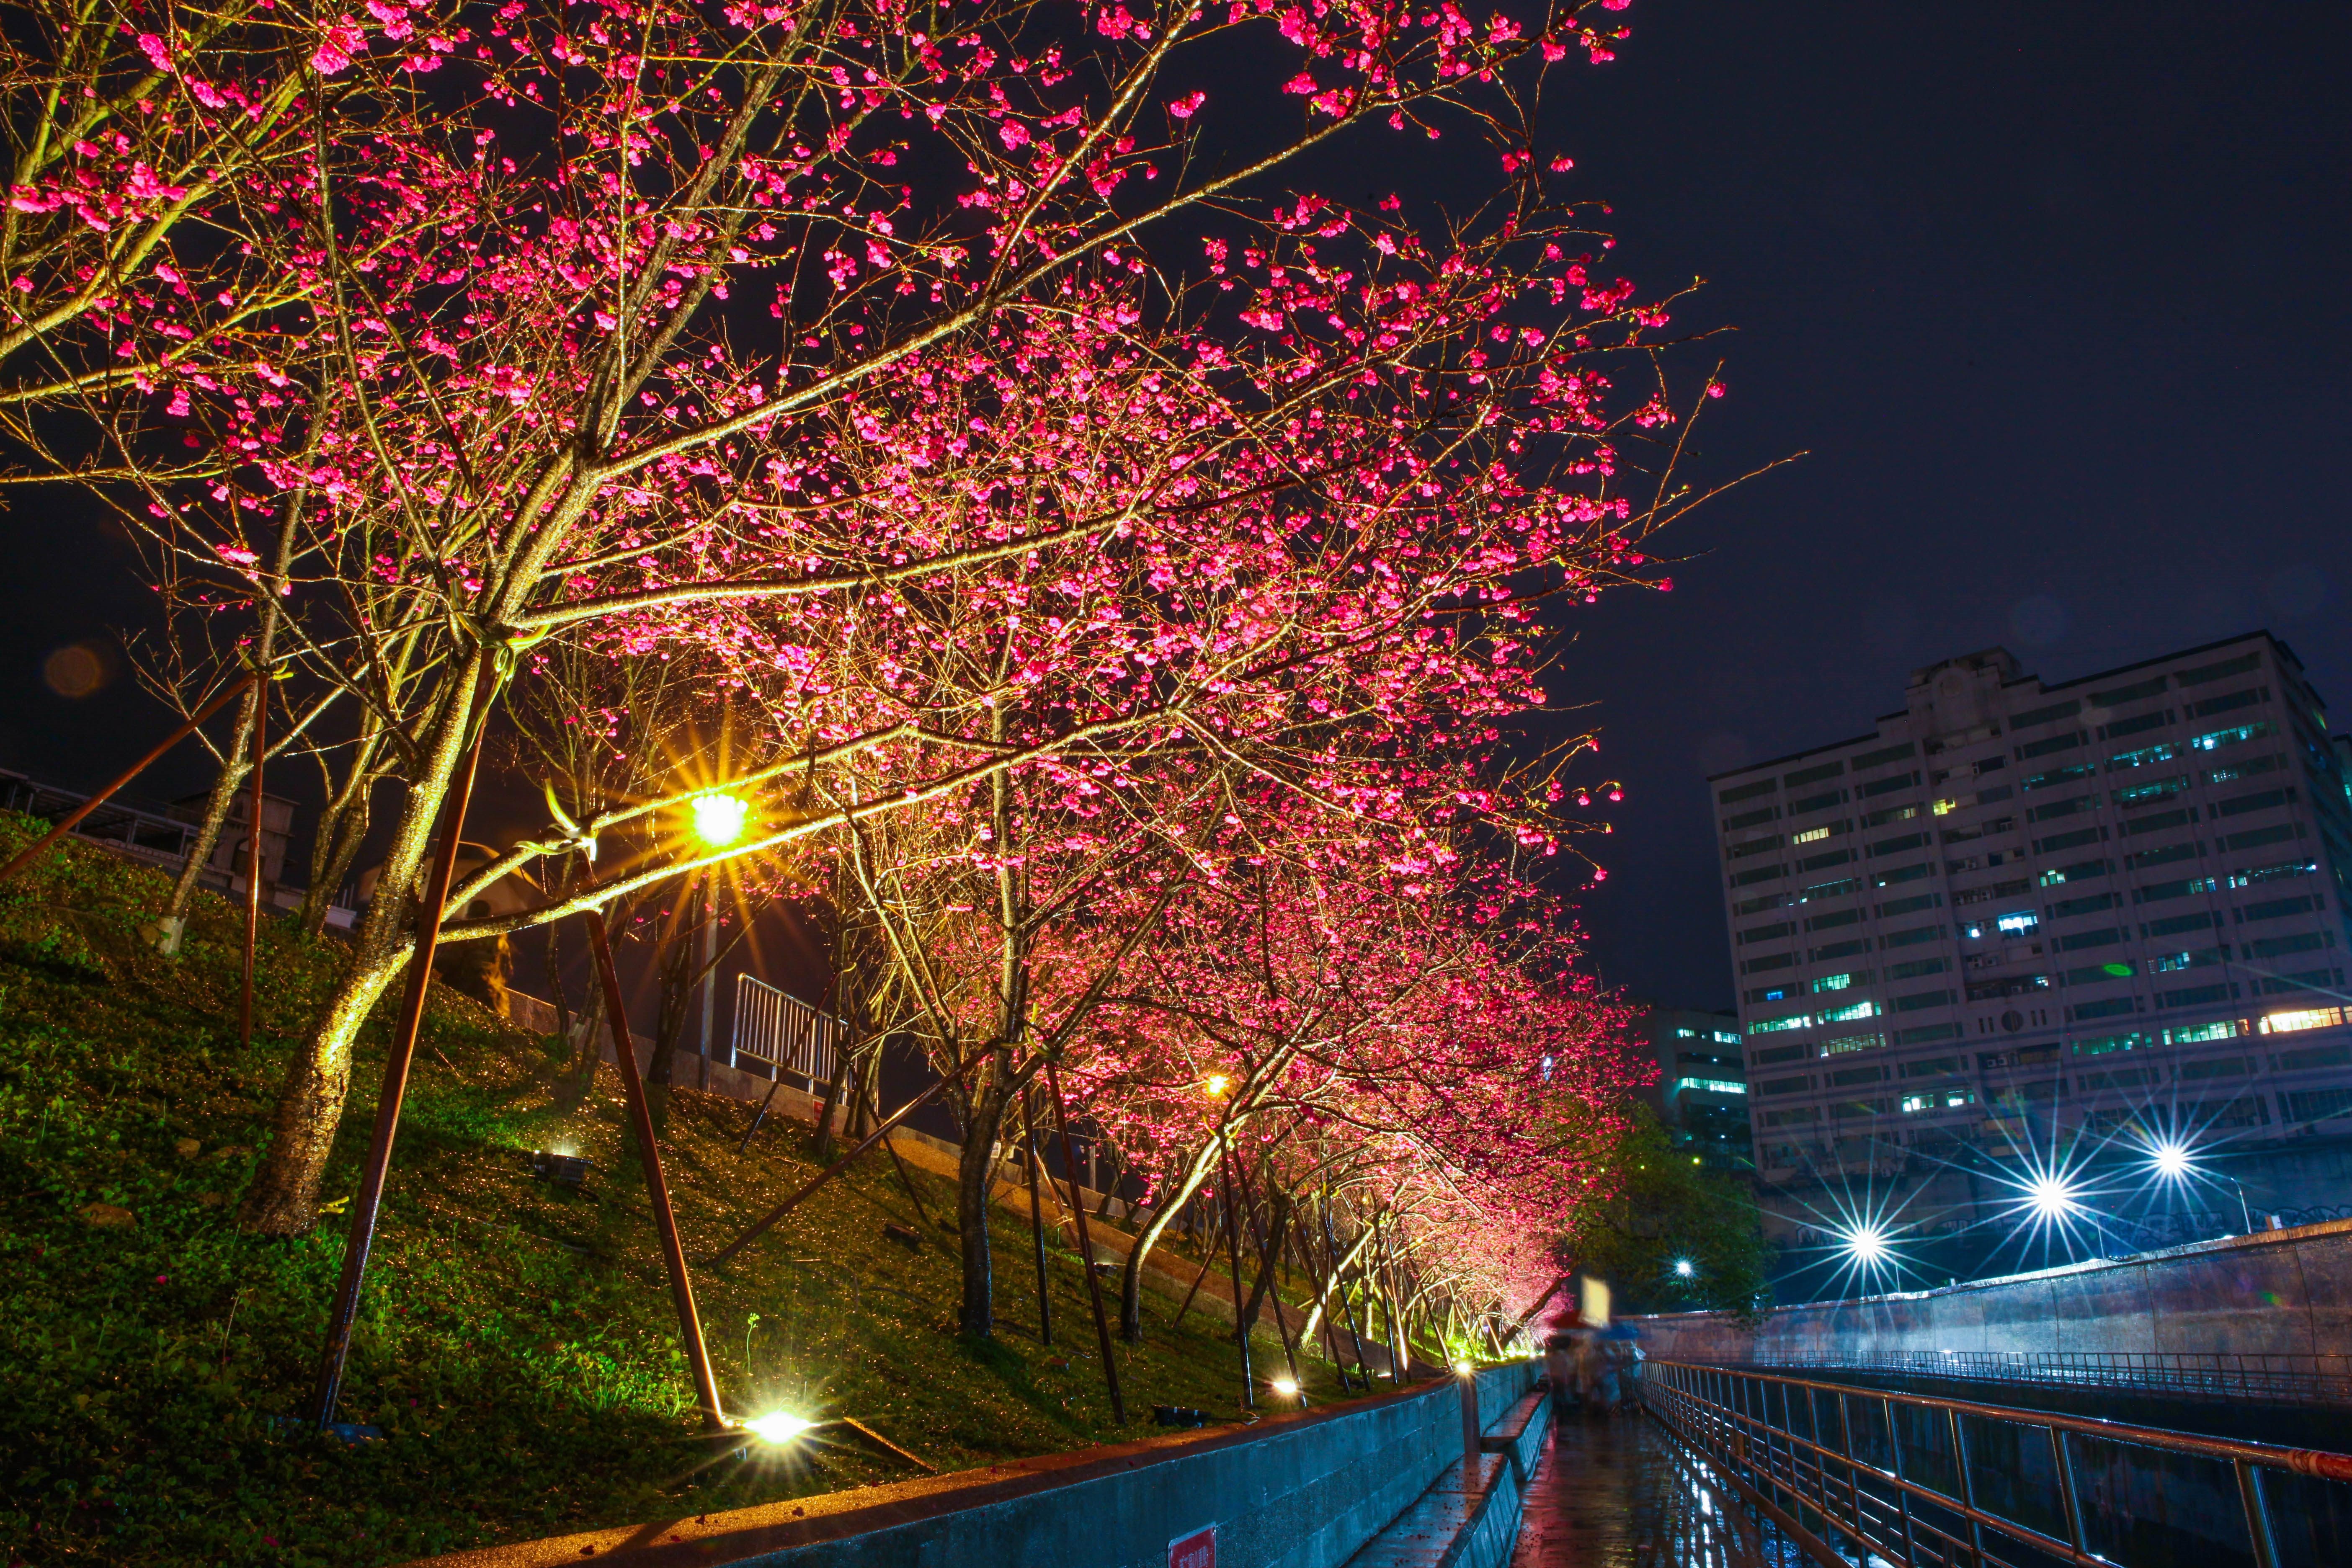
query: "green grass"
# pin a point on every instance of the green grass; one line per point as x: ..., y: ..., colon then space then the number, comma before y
x: 517, y: 1343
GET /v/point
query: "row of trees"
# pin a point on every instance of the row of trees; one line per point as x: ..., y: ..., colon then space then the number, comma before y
x: 1127, y: 577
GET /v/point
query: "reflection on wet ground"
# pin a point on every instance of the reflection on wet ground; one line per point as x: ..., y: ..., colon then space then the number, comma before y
x: 1620, y: 1493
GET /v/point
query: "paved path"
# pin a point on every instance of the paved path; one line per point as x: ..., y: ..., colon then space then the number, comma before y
x: 1615, y: 1493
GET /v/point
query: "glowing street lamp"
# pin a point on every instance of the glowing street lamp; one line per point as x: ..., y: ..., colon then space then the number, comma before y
x: 2053, y: 1198
x: 2172, y: 1161
x: 1866, y: 1245
x: 1684, y: 1269
x: 719, y: 819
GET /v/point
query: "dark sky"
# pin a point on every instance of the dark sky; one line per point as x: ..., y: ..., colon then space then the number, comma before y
x: 2053, y: 297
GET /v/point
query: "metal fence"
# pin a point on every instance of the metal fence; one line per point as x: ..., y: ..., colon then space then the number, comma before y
x: 1851, y: 1474
x: 782, y: 1033
x: 2276, y: 1379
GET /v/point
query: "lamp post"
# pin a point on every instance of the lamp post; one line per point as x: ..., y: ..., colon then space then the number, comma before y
x: 2175, y: 1161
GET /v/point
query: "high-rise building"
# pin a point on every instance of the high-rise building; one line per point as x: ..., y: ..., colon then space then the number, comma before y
x: 2016, y: 915
x: 1702, y: 1091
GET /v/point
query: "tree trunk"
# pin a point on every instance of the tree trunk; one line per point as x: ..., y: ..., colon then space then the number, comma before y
x: 975, y: 1176
x: 284, y: 1199
x: 1131, y: 1282
x: 236, y: 763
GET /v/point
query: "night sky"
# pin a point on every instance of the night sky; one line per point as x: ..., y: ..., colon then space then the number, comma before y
x: 2053, y: 298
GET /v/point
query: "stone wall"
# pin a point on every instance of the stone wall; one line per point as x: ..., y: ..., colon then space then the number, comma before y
x: 2277, y: 1292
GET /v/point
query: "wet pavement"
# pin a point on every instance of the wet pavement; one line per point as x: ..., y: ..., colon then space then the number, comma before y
x: 1619, y: 1493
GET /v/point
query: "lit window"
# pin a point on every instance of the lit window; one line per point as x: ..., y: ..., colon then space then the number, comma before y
x: 2301, y: 1018
x: 1810, y: 836
x: 1793, y: 1021
x: 2162, y: 751
x: 1846, y: 1044
x: 2248, y: 877
x: 2018, y: 921
x: 2168, y: 962
x: 1726, y: 1038
x: 1686, y: 1034
x: 2217, y: 739
x: 1712, y: 1085
x: 1939, y: 1100
x: 1849, y: 1012
x: 1943, y: 807
x: 1839, y: 982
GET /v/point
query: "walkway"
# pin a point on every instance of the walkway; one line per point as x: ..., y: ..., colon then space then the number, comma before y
x: 1618, y: 1493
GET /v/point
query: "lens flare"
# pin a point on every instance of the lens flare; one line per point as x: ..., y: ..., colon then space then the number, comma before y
x: 777, y: 1427
x: 2171, y: 1160
x: 1865, y: 1244
x: 1683, y: 1269
x: 2053, y: 1197
x: 719, y: 819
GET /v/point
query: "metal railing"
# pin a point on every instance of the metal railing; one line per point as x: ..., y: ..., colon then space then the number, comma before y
x: 2275, y: 1379
x: 1847, y: 1472
x: 782, y: 1033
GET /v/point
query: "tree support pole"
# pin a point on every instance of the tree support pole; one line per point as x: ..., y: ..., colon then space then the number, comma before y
x: 641, y: 1117
x: 253, y: 868
x: 1036, y: 1214
x: 1338, y: 1279
x: 1269, y: 1254
x: 72, y: 820
x: 1233, y: 1254
x: 1086, y: 1245
x: 402, y: 1053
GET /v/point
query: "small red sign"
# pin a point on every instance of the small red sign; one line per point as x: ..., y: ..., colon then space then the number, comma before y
x: 1198, y: 1550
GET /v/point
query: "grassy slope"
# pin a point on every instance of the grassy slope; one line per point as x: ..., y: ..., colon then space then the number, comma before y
x: 517, y: 1343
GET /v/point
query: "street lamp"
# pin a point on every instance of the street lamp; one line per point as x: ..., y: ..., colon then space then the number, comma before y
x: 2173, y: 1161
x: 1865, y: 1244
x: 1683, y: 1269
x: 719, y: 819
x: 2053, y: 1198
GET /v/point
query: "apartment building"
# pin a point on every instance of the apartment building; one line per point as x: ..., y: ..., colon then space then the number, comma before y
x: 1702, y: 1090
x: 2018, y: 912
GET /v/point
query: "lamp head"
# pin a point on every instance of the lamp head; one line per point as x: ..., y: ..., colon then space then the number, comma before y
x: 2170, y: 1158
x: 719, y: 819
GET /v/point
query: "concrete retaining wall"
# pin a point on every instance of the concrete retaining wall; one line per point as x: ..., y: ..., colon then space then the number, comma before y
x: 1293, y: 1491
x: 2276, y: 1292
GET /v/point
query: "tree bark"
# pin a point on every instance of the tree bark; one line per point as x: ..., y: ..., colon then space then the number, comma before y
x: 284, y: 1199
x: 975, y: 1176
x: 1131, y: 1282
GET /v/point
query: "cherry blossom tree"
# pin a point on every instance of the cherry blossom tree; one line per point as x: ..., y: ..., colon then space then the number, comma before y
x: 628, y: 319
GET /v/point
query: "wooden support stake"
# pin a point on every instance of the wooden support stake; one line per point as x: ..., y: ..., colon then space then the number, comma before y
x: 681, y: 1288
x: 253, y: 866
x: 72, y: 819
x: 1086, y: 1245
x: 360, y: 1238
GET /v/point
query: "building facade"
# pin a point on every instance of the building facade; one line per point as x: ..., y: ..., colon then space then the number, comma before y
x: 2019, y: 919
x: 1702, y: 1091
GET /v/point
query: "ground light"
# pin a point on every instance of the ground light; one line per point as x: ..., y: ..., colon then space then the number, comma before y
x: 719, y: 819
x: 1285, y: 1387
x: 778, y: 1427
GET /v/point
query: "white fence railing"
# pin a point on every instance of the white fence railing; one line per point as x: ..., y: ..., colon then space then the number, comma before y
x: 781, y: 1032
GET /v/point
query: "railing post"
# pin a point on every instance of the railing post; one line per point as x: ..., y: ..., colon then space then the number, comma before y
x: 2061, y: 1455
x: 1901, y: 1494
x: 2258, y: 1514
x: 1968, y: 1486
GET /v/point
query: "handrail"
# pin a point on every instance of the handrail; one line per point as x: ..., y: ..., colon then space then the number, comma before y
x: 1726, y: 1413
x: 2304, y: 1379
